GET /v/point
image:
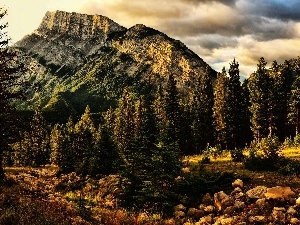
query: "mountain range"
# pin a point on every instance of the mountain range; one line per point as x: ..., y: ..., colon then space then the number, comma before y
x: 74, y: 60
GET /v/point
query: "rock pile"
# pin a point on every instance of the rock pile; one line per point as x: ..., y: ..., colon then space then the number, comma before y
x: 260, y: 205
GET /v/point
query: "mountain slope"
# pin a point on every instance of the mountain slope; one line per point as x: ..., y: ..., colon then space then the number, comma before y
x: 89, y: 59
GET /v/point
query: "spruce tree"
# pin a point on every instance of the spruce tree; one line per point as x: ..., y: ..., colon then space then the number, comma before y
x: 294, y: 101
x: 202, y: 112
x: 35, y: 145
x: 259, y: 89
x: 235, y: 110
x: 221, y: 110
x: 124, y: 123
x: 282, y: 77
x: 84, y: 141
x: 11, y: 84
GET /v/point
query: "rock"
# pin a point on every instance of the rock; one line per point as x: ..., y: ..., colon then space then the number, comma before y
x: 169, y: 222
x: 278, y: 214
x: 222, y: 200
x: 238, y: 183
x: 227, y: 221
x: 206, y: 220
x: 279, y: 193
x: 195, y: 214
x: 180, y: 207
x: 294, y: 221
x: 209, y: 209
x: 257, y: 219
x: 239, y: 205
x: 257, y: 192
x: 202, y: 206
x: 298, y: 202
x: 179, y: 214
x: 291, y: 211
x: 229, y: 210
x: 207, y: 199
x: 261, y: 203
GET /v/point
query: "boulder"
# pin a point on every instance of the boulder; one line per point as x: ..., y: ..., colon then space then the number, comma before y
x: 291, y: 211
x: 209, y: 209
x: 278, y: 214
x: 180, y: 207
x: 222, y: 200
x: 279, y: 193
x: 294, y: 221
x: 195, y: 214
x: 298, y: 202
x: 257, y: 192
x: 238, y: 183
x: 179, y: 214
x: 257, y: 219
x: 207, y: 199
x: 205, y: 220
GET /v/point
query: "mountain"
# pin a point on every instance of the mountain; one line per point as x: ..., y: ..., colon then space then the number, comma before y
x: 77, y: 59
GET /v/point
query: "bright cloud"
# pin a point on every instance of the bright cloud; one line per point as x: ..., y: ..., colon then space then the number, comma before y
x: 217, y: 30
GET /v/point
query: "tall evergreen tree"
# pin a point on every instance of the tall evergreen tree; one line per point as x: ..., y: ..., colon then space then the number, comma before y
x: 294, y: 101
x: 35, y: 145
x: 220, y: 109
x: 173, y: 113
x: 236, y: 116
x: 124, y: 124
x: 202, y: 112
x: 259, y: 88
x: 10, y: 89
x: 282, y: 77
x: 85, y: 133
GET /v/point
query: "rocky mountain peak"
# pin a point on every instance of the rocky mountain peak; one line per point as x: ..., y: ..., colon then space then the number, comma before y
x: 79, y: 25
x: 141, y: 31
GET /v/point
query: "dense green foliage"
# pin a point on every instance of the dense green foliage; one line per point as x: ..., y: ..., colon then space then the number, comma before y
x: 10, y: 89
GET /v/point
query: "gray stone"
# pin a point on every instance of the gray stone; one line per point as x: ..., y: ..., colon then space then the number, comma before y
x: 257, y: 192
x: 278, y: 214
x: 180, y: 207
x: 239, y: 205
x: 257, y: 219
x: 222, y: 200
x: 291, y: 211
x: 209, y: 209
x: 238, y: 183
x: 294, y: 221
x: 179, y: 214
x: 207, y: 199
x: 195, y: 214
x: 261, y: 202
x: 206, y: 220
x: 279, y: 193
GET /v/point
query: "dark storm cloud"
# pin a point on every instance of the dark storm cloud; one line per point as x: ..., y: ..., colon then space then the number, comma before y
x: 217, y: 29
x: 212, y: 41
x: 279, y: 9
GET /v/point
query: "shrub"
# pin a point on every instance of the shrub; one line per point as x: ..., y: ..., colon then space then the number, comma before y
x: 237, y: 155
x: 289, y: 167
x: 264, y: 155
x: 297, y: 140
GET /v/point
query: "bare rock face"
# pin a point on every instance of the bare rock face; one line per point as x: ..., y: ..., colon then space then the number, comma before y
x: 64, y: 40
x: 93, y: 58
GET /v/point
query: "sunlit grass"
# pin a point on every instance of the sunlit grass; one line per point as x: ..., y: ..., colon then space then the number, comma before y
x: 288, y: 152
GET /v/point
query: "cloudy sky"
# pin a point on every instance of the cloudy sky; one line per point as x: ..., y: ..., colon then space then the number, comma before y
x: 217, y: 30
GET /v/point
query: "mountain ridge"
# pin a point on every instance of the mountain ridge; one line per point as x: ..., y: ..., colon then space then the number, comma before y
x: 89, y: 59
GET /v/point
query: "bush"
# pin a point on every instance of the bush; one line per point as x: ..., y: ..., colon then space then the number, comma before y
x: 192, y: 186
x: 264, y: 155
x: 289, y: 167
x: 237, y: 155
x: 297, y: 140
